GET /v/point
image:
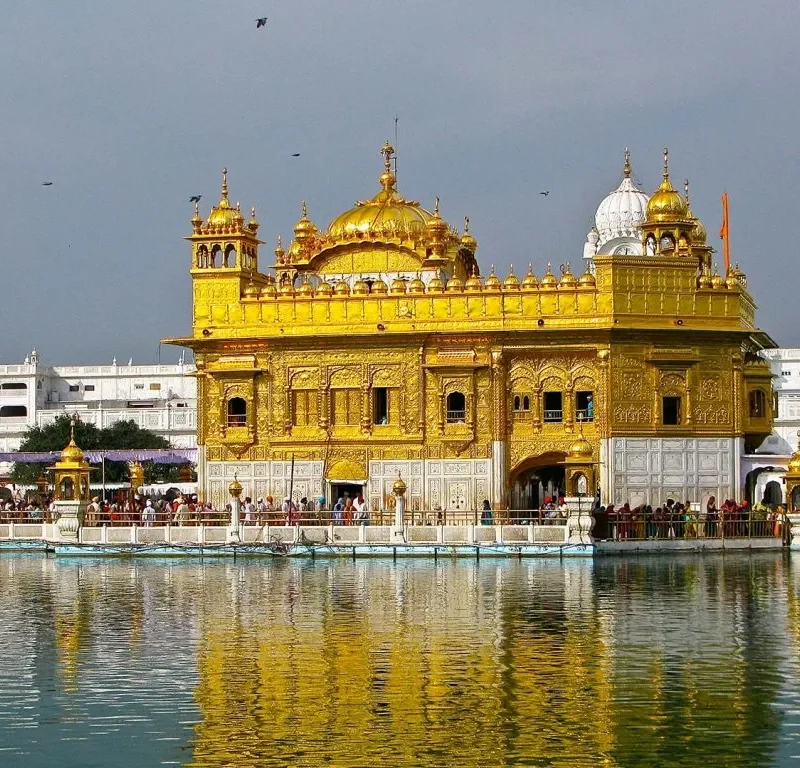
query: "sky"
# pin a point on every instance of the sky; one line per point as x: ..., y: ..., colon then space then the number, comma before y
x: 131, y: 108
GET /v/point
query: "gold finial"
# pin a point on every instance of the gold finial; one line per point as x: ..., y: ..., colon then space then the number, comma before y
x: 466, y: 224
x: 549, y: 268
x: 72, y: 430
x: 197, y: 208
x: 491, y: 272
x: 238, y: 207
x: 626, y: 169
x: 304, y: 209
x: 387, y: 151
x: 436, y: 206
x: 686, y: 190
x: 224, y: 183
x: 280, y: 242
x: 253, y: 211
x: 511, y: 271
x: 666, y: 164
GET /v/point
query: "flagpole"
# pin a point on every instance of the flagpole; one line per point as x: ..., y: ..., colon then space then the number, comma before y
x: 725, y: 234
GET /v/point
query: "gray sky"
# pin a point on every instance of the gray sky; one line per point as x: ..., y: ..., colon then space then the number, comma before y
x: 130, y: 108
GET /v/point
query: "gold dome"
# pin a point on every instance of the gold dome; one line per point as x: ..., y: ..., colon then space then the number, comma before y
x: 324, y: 289
x: 379, y: 287
x: 269, y: 290
x: 251, y: 291
x: 235, y: 488
x: 399, y: 487
x: 286, y: 288
x: 387, y: 214
x: 454, y: 285
x: 666, y: 204
x: 467, y: 240
x: 436, y: 226
x: 435, y: 286
x: 704, y: 281
x: 580, y: 449
x: 732, y: 282
x: 529, y: 282
x: 360, y: 288
x: 492, y: 282
x: 305, y: 229
x: 397, y: 286
x: 587, y: 280
x: 416, y: 285
x: 511, y: 283
x: 549, y: 279
x: 222, y: 214
x: 306, y: 289
x: 717, y: 281
x: 253, y: 223
x: 342, y: 288
x: 473, y: 284
x: 567, y: 278
x: 794, y: 462
x: 71, y: 454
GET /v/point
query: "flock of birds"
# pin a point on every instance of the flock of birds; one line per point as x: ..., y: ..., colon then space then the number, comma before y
x: 260, y: 22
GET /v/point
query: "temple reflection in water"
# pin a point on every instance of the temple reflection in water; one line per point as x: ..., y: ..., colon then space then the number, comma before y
x: 418, y: 663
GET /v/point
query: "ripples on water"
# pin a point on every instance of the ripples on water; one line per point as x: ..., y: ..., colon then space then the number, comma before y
x: 641, y: 662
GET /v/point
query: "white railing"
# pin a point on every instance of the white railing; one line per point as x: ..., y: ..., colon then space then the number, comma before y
x: 330, y: 535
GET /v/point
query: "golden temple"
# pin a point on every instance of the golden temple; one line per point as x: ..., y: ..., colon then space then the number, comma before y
x: 375, y: 346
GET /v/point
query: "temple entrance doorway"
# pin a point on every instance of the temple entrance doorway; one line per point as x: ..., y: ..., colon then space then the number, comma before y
x: 533, y: 480
x: 344, y: 491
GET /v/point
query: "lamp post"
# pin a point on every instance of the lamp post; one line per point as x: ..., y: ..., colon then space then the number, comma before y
x: 399, y: 491
x: 235, y: 490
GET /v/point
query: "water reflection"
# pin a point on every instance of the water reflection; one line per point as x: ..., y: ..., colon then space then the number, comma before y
x: 623, y: 663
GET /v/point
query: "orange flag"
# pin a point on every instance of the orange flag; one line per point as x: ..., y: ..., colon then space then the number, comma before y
x: 723, y: 233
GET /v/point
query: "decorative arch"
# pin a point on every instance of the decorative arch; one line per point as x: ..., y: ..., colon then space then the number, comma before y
x: 202, y: 257
x: 346, y: 471
x: 304, y: 379
x: 236, y: 412
x: 672, y: 384
x: 346, y: 378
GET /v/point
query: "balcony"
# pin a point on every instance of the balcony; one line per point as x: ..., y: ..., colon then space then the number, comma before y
x: 554, y: 416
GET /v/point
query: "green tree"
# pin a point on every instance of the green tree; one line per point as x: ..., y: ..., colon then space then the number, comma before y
x: 119, y: 436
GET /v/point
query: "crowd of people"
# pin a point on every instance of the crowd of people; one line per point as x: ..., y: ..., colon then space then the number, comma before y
x: 673, y: 519
x: 678, y: 520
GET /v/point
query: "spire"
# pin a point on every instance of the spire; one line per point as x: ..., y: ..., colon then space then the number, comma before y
x: 466, y: 225
x: 224, y: 194
x: 686, y: 190
x: 666, y: 165
x: 626, y: 168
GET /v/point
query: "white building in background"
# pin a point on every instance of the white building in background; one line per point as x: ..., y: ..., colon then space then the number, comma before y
x: 763, y: 470
x: 161, y: 398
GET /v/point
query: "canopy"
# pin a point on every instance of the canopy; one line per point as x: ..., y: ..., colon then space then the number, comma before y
x: 157, y: 455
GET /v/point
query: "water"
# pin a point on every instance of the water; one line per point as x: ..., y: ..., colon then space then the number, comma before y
x: 639, y: 662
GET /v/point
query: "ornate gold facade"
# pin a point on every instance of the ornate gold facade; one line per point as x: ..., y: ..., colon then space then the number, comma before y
x: 377, y: 341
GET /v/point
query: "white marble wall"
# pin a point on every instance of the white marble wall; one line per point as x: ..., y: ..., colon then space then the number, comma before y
x: 650, y: 470
x: 457, y: 484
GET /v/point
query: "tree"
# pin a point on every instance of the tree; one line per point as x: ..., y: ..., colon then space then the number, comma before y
x: 119, y: 436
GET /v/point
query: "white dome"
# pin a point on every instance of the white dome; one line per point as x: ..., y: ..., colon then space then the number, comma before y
x: 621, y: 212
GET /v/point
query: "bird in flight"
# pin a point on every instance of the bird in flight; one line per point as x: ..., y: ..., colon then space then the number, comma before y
x: 262, y: 22
x: 195, y: 198
x: 47, y: 183
x: 545, y: 194
x: 296, y: 154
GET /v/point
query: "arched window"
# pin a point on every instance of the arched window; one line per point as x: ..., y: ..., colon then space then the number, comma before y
x: 517, y: 403
x: 216, y: 252
x: 456, y: 408
x: 202, y: 257
x: 758, y: 404
x: 526, y: 403
x: 13, y: 412
x: 230, y: 256
x: 237, y: 412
